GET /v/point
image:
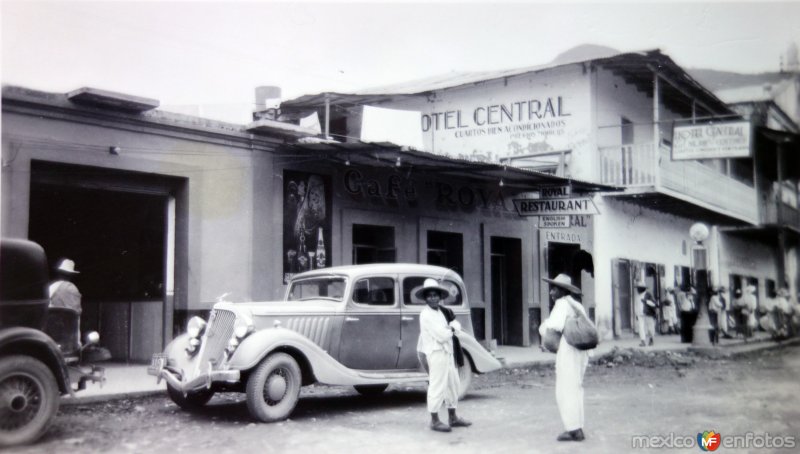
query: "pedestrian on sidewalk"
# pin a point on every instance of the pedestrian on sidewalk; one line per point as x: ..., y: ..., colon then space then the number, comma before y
x: 714, y: 313
x: 647, y: 320
x: 751, y: 303
x: 435, y: 348
x: 570, y: 362
x: 724, y: 329
x: 687, y: 308
x: 668, y: 311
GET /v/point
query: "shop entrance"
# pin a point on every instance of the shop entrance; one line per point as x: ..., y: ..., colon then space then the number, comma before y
x: 506, y: 272
x: 117, y: 234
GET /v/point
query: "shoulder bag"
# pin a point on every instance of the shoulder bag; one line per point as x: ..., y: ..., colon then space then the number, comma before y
x: 580, y: 332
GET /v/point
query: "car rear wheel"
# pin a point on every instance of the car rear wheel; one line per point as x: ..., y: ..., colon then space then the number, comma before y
x: 274, y: 388
x: 192, y: 400
x: 464, y: 377
x: 370, y: 390
x: 29, y: 399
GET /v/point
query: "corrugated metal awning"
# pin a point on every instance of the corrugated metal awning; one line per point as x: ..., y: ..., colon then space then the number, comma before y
x: 388, y: 155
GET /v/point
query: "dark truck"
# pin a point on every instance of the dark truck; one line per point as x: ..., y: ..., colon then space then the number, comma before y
x: 40, y: 357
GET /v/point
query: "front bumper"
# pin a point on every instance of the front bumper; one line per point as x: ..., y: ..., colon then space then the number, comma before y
x: 178, y: 379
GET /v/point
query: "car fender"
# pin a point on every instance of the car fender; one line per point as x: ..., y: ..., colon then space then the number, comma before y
x: 254, y: 348
x: 20, y: 340
x: 482, y: 360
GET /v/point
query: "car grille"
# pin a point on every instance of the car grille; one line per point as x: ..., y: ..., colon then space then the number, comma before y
x: 218, y: 333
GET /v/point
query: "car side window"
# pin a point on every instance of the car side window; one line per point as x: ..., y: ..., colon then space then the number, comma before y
x: 374, y: 291
x: 413, y: 283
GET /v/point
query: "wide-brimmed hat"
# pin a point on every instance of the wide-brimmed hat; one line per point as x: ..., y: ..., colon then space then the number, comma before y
x: 565, y: 282
x: 432, y: 284
x: 67, y: 266
x: 640, y: 284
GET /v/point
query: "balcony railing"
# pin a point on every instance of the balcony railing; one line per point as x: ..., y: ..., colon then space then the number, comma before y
x: 784, y: 215
x: 642, y: 165
x: 628, y: 165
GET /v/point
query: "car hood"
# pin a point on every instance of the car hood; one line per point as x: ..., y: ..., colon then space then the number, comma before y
x: 285, y: 308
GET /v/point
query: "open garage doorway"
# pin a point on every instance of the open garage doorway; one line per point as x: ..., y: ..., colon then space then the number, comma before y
x: 117, y: 227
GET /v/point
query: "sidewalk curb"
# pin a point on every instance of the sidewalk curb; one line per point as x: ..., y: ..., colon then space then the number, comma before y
x: 754, y: 345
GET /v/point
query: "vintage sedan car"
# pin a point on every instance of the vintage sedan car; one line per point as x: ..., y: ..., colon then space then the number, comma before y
x: 350, y: 325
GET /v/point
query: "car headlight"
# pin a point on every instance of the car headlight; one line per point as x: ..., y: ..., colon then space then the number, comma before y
x: 195, y: 327
x: 242, y: 327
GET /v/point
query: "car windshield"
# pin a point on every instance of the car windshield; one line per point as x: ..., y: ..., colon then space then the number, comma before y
x: 328, y: 287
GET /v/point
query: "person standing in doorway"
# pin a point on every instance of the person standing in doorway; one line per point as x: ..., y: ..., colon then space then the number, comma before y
x: 715, y: 311
x: 686, y: 306
x: 435, y: 348
x: 647, y: 321
x: 751, y: 305
x: 570, y: 362
x: 65, y: 294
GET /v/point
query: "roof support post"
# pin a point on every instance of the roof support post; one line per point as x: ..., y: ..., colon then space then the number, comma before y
x: 327, y: 115
x: 656, y: 129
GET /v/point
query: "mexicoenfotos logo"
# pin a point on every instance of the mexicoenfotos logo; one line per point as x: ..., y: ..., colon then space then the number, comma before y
x: 709, y: 440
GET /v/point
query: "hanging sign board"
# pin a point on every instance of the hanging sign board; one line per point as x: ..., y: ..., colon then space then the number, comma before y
x: 554, y: 222
x: 712, y: 141
x: 555, y: 207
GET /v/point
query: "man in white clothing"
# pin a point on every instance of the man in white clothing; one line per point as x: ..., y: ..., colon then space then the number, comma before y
x: 435, y: 347
x: 570, y: 362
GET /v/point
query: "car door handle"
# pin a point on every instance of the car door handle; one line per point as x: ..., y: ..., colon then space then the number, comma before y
x: 407, y: 319
x: 351, y: 319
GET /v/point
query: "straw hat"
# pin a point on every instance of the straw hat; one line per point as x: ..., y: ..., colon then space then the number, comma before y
x: 565, y: 282
x: 67, y: 266
x: 432, y: 284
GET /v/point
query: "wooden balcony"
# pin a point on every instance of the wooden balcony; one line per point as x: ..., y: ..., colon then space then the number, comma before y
x: 649, y: 169
x: 783, y: 215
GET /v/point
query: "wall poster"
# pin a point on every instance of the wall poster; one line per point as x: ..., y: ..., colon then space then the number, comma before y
x: 306, y: 222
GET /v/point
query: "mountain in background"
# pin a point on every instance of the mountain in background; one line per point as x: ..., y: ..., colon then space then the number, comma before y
x: 718, y: 80
x: 584, y: 52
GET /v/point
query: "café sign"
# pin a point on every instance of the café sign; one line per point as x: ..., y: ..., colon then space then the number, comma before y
x: 712, y: 141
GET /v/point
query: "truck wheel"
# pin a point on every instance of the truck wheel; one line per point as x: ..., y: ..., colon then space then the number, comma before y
x: 370, y: 390
x: 464, y: 377
x: 29, y: 399
x: 274, y: 388
x: 192, y: 400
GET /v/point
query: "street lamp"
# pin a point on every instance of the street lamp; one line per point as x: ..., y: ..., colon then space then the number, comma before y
x: 700, y: 338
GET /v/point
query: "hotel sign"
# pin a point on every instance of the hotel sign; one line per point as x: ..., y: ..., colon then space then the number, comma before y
x: 555, y: 207
x: 712, y: 141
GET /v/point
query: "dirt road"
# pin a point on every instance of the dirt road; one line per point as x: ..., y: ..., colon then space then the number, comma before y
x: 513, y: 411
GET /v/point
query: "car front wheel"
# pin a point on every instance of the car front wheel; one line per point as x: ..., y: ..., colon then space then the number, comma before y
x: 192, y: 400
x: 29, y: 399
x: 274, y: 388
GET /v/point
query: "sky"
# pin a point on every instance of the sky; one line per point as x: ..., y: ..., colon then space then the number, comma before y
x: 207, y: 57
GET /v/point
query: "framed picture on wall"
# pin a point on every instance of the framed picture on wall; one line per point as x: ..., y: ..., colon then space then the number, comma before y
x: 306, y: 222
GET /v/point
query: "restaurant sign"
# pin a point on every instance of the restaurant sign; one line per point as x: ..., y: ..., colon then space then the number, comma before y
x: 712, y: 141
x: 555, y: 207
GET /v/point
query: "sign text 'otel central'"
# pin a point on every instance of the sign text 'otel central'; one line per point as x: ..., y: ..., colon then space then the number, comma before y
x: 551, y: 207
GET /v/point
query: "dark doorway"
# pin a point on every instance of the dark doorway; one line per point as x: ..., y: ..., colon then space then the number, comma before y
x: 622, y: 295
x: 506, y: 272
x: 561, y: 259
x: 117, y: 239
